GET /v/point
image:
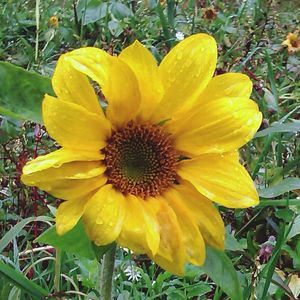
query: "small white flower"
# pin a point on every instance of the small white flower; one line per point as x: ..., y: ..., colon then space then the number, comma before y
x: 126, y: 249
x: 132, y: 273
x: 179, y: 36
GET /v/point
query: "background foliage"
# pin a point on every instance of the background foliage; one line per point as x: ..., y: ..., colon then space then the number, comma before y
x: 262, y: 243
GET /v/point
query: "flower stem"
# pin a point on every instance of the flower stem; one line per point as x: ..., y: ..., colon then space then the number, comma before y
x: 37, y: 22
x: 57, y: 270
x: 107, y: 273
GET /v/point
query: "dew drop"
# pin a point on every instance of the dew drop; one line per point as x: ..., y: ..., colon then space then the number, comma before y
x: 179, y: 55
x: 249, y: 122
x: 99, y: 221
x: 109, y: 200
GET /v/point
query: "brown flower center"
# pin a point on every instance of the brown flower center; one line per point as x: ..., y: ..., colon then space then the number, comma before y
x: 294, y: 43
x: 140, y: 159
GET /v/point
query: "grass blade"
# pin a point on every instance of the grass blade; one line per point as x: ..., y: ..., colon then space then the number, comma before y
x: 19, y: 280
x: 14, y: 231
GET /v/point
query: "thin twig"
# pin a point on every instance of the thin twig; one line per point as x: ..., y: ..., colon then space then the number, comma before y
x: 37, y: 20
x: 45, y: 248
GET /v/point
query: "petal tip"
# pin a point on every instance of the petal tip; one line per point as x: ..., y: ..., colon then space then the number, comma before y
x: 60, y: 229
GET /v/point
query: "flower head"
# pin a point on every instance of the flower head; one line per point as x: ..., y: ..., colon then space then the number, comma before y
x: 209, y: 13
x: 266, y: 249
x: 292, y: 42
x: 146, y: 171
x: 53, y: 21
x: 132, y: 273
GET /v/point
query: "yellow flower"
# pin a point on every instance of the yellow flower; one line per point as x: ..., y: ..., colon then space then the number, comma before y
x: 209, y: 13
x: 292, y: 42
x: 144, y: 173
x: 53, y: 21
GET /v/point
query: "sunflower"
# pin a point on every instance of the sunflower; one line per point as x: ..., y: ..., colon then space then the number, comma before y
x: 144, y: 167
x: 209, y: 13
x: 292, y: 42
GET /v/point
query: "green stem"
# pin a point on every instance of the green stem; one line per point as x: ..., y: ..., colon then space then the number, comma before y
x: 37, y: 21
x: 57, y: 270
x: 164, y: 24
x: 107, y: 273
x: 278, y: 202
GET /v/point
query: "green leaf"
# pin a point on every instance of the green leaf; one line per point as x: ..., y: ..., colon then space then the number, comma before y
x: 295, y: 230
x: 276, y: 279
x: 219, y: 267
x: 8, y: 129
x: 198, y: 290
x: 115, y: 28
x: 270, y: 100
x: 120, y: 10
x: 192, y: 271
x: 160, y: 280
x: 124, y: 295
x: 101, y: 250
x: 277, y: 127
x: 294, y: 254
x: 14, y: 231
x: 75, y: 241
x: 231, y: 243
x: 272, y: 80
x: 22, y: 92
x: 174, y: 293
x: 284, y: 186
x: 89, y: 271
x: 285, y: 214
x: 91, y: 11
x: 6, y: 289
x: 19, y: 280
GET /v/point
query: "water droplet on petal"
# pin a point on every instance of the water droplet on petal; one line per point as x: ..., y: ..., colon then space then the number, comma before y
x: 99, y: 221
x: 179, y: 55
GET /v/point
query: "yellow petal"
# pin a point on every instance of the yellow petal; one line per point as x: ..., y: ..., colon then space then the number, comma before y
x: 68, y: 214
x: 71, y: 170
x: 185, y: 72
x: 140, y: 231
x: 145, y: 68
x: 226, y: 85
x: 69, y: 181
x: 117, y: 81
x: 218, y: 126
x: 72, y: 188
x: 61, y: 156
x: 221, y: 178
x: 104, y: 215
x: 192, y: 237
x: 72, y: 86
x: 74, y: 127
x: 171, y: 255
x: 202, y: 209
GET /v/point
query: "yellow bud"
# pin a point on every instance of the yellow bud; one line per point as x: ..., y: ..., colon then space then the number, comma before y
x: 53, y: 21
